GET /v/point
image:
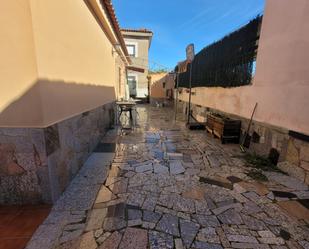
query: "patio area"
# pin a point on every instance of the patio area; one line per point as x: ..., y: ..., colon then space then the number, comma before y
x: 161, y: 185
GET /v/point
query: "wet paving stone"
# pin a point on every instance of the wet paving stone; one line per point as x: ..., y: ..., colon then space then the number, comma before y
x: 134, y: 214
x: 158, y: 240
x: 231, y: 217
x: 112, y: 224
x: 134, y: 238
x: 188, y: 231
x: 176, y: 167
x: 151, y: 216
x: 207, y: 220
x: 165, y: 186
x: 168, y: 224
x: 205, y: 245
x: 184, y: 205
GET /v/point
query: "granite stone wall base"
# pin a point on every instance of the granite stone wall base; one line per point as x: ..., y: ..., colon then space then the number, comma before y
x: 293, y: 152
x: 37, y: 164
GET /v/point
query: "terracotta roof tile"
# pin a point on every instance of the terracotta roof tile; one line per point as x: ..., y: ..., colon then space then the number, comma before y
x: 115, y: 24
x: 137, y: 30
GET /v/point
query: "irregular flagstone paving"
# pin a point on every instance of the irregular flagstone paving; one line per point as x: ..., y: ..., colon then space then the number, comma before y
x: 168, y: 187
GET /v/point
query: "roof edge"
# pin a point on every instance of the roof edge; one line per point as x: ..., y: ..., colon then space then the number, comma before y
x: 115, y: 25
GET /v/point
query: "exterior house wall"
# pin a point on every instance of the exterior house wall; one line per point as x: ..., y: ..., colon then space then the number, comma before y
x: 18, y: 67
x: 71, y: 59
x: 158, y: 93
x: 141, y: 61
x: 58, y: 83
x: 280, y: 86
x: 142, y: 42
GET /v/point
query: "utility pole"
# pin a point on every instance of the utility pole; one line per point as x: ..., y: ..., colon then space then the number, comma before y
x: 190, y: 57
x: 190, y: 91
x: 177, y: 86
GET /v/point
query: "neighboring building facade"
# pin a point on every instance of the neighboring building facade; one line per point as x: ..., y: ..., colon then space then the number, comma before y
x: 280, y: 87
x: 138, y: 42
x: 162, y: 87
x: 62, y: 66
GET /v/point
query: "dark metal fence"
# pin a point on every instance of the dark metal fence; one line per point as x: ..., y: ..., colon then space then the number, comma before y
x: 228, y: 62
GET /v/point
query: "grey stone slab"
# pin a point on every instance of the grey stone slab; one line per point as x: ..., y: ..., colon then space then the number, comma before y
x: 158, y: 240
x: 249, y: 245
x: 272, y: 240
x: 208, y: 234
x: 188, y: 231
x: 134, y: 238
x: 241, y: 238
x: 176, y: 167
x: 144, y: 168
x: 207, y: 220
x: 184, y: 205
x: 70, y: 235
x: 112, y: 224
x: 168, y: 224
x: 253, y: 223
x: 151, y: 216
x: 72, y: 227
x: 77, y: 197
x: 287, y: 181
x: 134, y: 214
x: 160, y: 169
x: 222, y: 209
x: 150, y: 203
x: 230, y: 217
x: 45, y: 236
x: 101, y: 159
x: 205, y: 245
x: 136, y: 199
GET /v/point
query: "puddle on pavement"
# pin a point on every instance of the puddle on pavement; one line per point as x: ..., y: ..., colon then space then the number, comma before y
x: 282, y: 194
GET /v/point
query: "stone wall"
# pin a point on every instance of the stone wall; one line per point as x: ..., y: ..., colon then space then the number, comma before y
x: 37, y: 164
x: 293, y: 152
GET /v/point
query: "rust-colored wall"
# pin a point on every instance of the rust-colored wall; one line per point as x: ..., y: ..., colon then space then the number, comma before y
x: 281, y: 83
x: 156, y: 87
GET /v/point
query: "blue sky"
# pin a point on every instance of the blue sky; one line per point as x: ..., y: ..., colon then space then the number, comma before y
x: 177, y: 23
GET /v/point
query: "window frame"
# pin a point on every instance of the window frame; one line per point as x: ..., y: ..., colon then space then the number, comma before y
x: 133, y: 44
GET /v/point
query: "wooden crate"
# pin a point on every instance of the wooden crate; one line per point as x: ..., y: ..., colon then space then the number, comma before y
x: 226, y: 129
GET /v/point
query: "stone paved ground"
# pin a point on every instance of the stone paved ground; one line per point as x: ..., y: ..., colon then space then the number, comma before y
x: 167, y: 187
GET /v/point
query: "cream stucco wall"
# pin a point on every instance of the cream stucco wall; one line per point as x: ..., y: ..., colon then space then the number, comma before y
x: 140, y: 61
x: 281, y: 83
x: 59, y: 48
x: 72, y: 48
x: 18, y: 71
